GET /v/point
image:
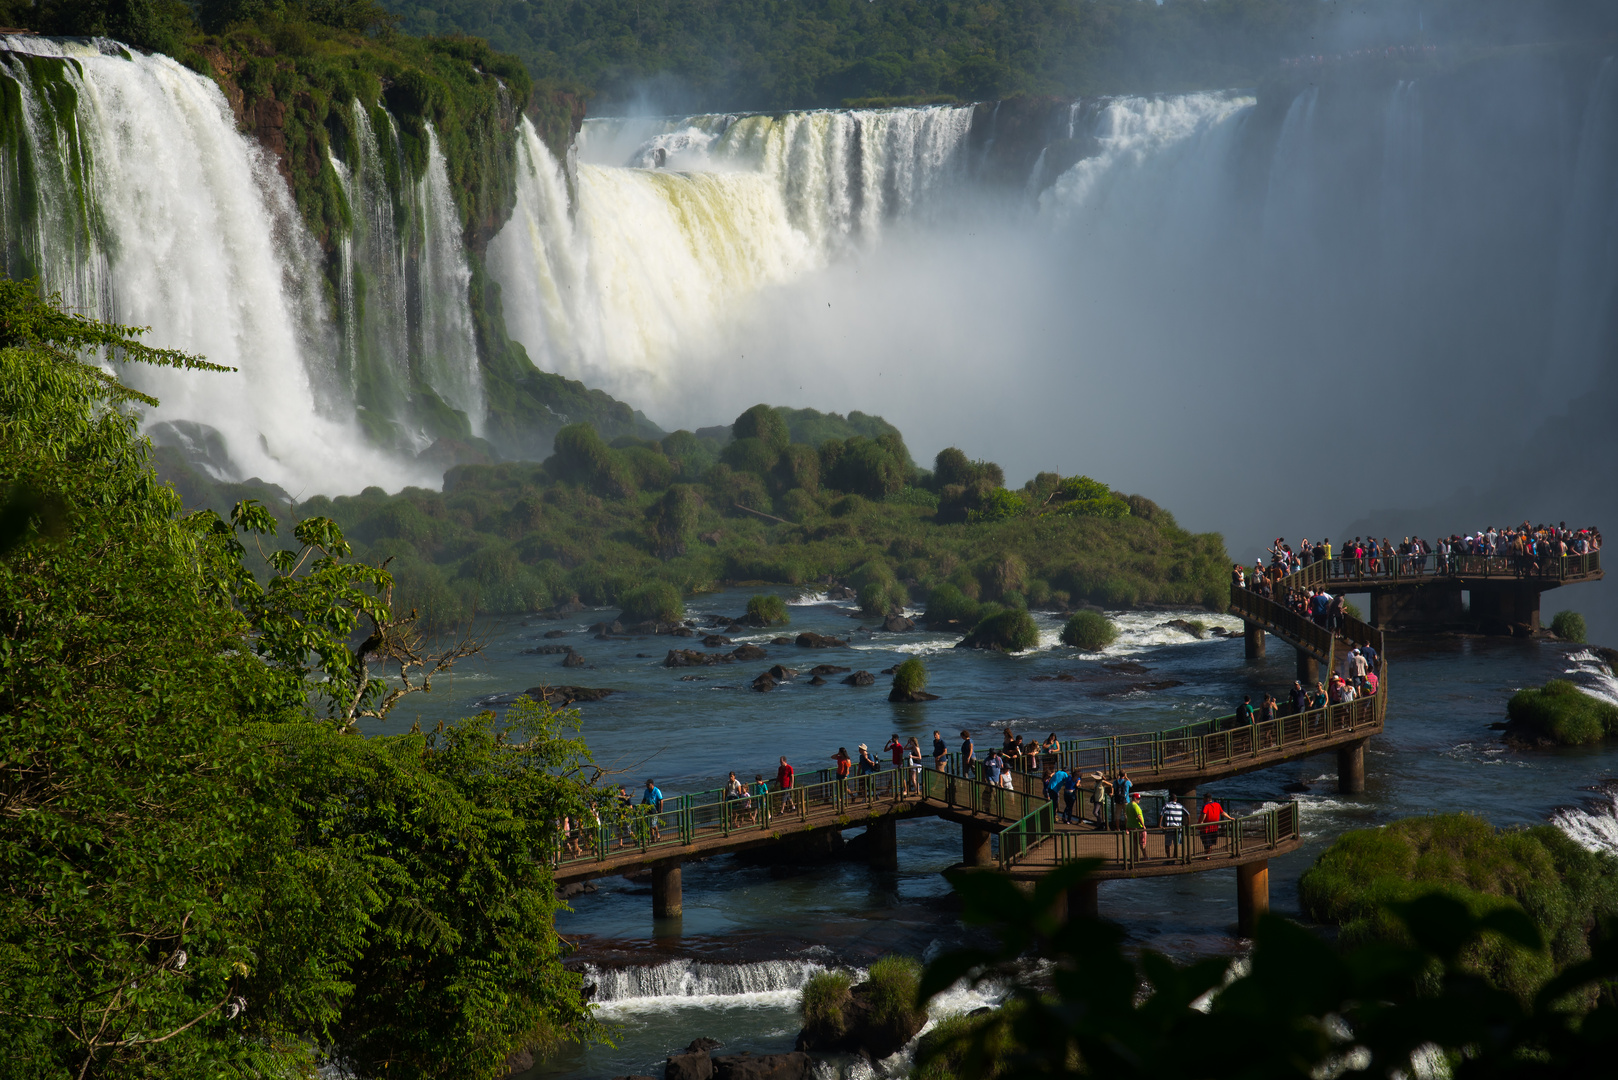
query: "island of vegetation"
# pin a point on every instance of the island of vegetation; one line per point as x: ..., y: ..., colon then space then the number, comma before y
x: 783, y: 496
x: 1559, y: 714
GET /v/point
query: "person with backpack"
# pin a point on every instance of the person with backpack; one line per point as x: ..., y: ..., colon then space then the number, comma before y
x: 783, y: 780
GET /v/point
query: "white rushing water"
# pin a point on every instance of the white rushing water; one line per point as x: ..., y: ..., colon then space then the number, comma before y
x: 195, y: 235
x: 692, y: 982
x: 676, y: 222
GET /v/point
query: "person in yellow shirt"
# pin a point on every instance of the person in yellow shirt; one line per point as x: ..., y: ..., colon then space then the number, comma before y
x: 1135, y: 822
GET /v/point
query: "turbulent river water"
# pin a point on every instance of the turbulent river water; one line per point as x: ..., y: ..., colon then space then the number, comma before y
x: 751, y: 936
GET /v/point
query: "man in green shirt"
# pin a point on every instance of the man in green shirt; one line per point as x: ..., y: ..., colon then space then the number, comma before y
x: 1135, y: 822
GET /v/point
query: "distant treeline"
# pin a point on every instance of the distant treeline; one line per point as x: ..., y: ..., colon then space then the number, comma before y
x: 774, y: 54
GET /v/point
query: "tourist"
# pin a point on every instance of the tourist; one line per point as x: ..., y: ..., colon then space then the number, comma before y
x: 1070, y: 798
x: 1300, y: 696
x: 1135, y: 824
x: 761, y: 794
x: 991, y: 768
x: 969, y: 762
x: 913, y: 764
x: 1053, y: 790
x: 843, y: 763
x: 734, y: 793
x: 1244, y: 714
x: 1212, y: 814
x: 1053, y: 750
x: 1172, y: 818
x: 653, y: 797
x: 940, y: 751
x: 869, y: 767
x: 783, y: 780
x: 896, y: 750
x: 1099, y: 798
x: 625, y: 804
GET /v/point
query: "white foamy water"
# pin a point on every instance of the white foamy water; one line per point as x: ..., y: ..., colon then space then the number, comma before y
x: 1593, y: 676
x: 680, y: 983
x: 1594, y: 826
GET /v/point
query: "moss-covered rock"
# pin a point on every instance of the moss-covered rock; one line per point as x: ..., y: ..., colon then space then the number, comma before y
x: 877, y: 1017
x: 1565, y: 889
x: 1559, y: 714
x: 1008, y: 630
x: 1089, y: 630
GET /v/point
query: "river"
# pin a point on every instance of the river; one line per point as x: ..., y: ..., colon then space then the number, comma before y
x: 751, y: 935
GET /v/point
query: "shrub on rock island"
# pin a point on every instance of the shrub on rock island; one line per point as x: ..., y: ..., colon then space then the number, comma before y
x: 947, y: 605
x: 1006, y: 630
x: 825, y: 998
x: 765, y: 610
x: 657, y: 601
x: 1569, y: 626
x: 881, y: 597
x: 763, y: 423
x: 910, y: 678
x: 1561, y: 713
x: 1089, y: 630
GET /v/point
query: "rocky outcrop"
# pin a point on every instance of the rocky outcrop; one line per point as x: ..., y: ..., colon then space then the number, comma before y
x: 745, y: 1066
x: 896, y: 695
x: 713, y: 641
x: 566, y: 695
x: 863, y: 1024
x: 860, y: 678
x: 748, y: 652
x: 827, y: 669
x: 572, y: 659
x: 1198, y: 632
x: 811, y: 640
x: 764, y: 683
x: 897, y: 624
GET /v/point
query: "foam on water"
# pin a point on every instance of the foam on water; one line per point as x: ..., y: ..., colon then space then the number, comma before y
x: 1593, y: 826
x: 1593, y: 676
x: 680, y: 983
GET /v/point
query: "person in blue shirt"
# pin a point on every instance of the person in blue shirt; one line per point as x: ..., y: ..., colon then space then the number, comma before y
x: 1070, y: 799
x: 1054, y: 784
x: 653, y: 797
x: 991, y: 768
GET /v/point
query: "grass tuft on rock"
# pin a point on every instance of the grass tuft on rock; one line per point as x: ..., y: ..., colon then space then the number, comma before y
x: 766, y: 610
x: 825, y: 1001
x: 657, y: 601
x: 910, y: 677
x: 890, y: 992
x: 1561, y: 713
x: 1089, y: 630
x: 1569, y: 626
x: 1006, y: 630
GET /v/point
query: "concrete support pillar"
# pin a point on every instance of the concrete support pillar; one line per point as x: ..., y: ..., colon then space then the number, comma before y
x: 882, y: 844
x: 1082, y: 902
x: 1308, y: 669
x: 1252, y: 895
x: 1351, y: 768
x: 666, y: 897
x: 1253, y: 638
x: 975, y: 846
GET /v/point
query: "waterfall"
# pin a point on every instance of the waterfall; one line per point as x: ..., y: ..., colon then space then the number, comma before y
x: 447, y: 349
x: 155, y: 211
x: 1593, y: 826
x: 691, y: 982
x: 676, y: 222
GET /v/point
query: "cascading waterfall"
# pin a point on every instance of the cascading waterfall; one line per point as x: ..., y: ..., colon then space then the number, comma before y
x: 691, y: 982
x: 155, y: 211
x: 677, y: 221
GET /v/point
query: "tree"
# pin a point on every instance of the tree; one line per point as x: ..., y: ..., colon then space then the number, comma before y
x: 763, y: 423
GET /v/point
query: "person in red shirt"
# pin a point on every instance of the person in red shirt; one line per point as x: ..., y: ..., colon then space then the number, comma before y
x: 1212, y: 814
x: 783, y: 779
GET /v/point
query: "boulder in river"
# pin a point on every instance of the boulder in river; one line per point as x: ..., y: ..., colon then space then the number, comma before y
x: 692, y: 658
x: 827, y: 669
x: 841, y: 592
x: 614, y: 627
x: 877, y: 1017
x: 781, y: 641
x: 572, y: 659
x: 897, y: 624
x: 1196, y: 630
x: 860, y: 678
x: 764, y: 683
x: 783, y: 674
x: 566, y: 695
x: 547, y: 650
x: 713, y: 641
x: 748, y: 652
x: 556, y: 633
x: 745, y: 1066
x: 811, y: 640
x: 689, y: 1065
x: 817, y: 681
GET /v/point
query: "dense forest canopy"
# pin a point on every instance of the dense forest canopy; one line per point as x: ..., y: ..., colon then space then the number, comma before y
x: 678, y: 55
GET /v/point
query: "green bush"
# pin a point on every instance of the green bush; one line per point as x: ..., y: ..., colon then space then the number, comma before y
x: 657, y: 601
x: 1089, y: 630
x: 879, y: 598
x: 910, y: 677
x: 947, y: 604
x: 1565, y: 889
x: 750, y: 456
x: 997, y: 504
x: 825, y: 996
x: 767, y: 610
x: 1561, y: 713
x: 1569, y: 626
x: 763, y: 423
x: 1010, y: 630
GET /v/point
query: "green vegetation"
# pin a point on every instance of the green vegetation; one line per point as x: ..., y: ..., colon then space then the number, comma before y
x: 1006, y: 630
x: 1569, y: 626
x: 656, y: 601
x: 1359, y: 880
x: 767, y: 611
x: 825, y: 999
x: 910, y: 677
x: 197, y: 850
x: 600, y: 519
x: 890, y: 992
x: 1089, y: 630
x: 771, y: 54
x: 1298, y: 1007
x: 1561, y: 713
